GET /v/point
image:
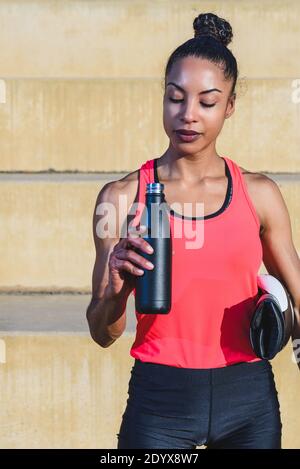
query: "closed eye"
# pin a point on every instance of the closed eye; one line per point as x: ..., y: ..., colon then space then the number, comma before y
x: 180, y: 100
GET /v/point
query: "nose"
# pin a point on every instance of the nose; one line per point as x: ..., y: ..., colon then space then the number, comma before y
x: 190, y: 111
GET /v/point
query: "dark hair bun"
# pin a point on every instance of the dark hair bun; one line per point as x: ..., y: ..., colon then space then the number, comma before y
x: 208, y: 24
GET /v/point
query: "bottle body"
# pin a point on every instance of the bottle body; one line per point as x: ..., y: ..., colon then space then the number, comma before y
x: 154, y: 288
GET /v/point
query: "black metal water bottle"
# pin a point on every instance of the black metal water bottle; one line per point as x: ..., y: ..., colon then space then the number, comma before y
x: 153, y: 288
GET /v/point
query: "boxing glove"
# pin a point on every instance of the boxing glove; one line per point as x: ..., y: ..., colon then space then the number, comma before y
x: 273, y: 318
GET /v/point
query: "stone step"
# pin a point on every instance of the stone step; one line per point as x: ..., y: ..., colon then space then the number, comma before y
x: 59, y: 389
x: 47, y: 243
x: 88, y: 125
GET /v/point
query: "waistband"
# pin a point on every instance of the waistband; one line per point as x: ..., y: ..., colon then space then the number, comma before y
x: 205, y: 375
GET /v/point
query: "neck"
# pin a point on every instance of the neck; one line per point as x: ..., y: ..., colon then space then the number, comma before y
x: 191, y: 167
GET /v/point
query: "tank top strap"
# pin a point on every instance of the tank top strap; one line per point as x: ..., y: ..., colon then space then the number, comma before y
x: 145, y: 176
x: 242, y: 190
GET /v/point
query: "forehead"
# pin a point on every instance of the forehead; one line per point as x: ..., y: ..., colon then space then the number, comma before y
x: 193, y: 73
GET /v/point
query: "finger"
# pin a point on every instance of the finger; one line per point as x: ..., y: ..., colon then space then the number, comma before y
x: 138, y: 242
x: 128, y: 267
x: 128, y: 254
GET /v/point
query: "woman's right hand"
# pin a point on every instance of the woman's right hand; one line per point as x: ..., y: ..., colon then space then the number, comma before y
x: 125, y: 263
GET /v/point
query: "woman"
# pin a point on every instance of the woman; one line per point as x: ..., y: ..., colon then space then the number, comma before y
x: 196, y: 380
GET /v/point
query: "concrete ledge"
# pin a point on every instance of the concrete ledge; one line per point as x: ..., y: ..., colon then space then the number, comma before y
x: 57, y: 314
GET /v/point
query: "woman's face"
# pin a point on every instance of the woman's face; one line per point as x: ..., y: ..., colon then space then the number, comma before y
x: 191, y: 105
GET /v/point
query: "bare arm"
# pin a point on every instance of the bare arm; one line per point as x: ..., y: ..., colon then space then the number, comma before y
x: 105, y: 314
x: 113, y: 273
x: 107, y: 319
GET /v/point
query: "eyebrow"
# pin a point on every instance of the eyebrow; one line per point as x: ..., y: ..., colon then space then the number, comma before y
x: 201, y: 92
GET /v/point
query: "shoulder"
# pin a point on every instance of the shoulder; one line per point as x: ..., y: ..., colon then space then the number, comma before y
x: 264, y: 193
x: 114, y: 204
x: 127, y: 186
x: 259, y: 181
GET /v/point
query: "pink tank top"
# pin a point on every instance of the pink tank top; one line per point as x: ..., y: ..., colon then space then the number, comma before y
x: 214, y: 285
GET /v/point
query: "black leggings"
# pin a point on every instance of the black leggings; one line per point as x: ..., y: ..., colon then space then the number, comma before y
x: 231, y: 407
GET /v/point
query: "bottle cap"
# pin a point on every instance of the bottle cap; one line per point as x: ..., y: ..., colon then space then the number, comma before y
x: 154, y: 188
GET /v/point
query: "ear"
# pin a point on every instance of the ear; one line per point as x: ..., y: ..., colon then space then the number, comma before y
x: 230, y: 106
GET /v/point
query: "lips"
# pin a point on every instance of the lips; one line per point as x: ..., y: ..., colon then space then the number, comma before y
x: 187, y: 138
x: 186, y: 132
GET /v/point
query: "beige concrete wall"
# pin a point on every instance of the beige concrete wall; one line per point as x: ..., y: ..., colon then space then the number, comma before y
x: 63, y: 391
x: 88, y: 125
x: 125, y: 38
x: 77, y: 81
